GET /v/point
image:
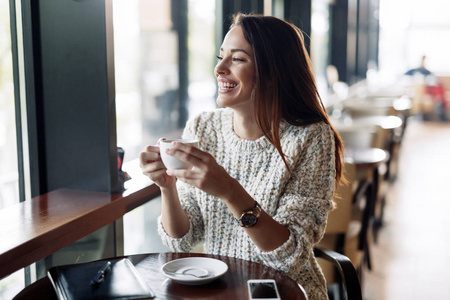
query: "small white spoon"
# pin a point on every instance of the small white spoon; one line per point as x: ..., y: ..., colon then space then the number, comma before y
x: 186, y: 272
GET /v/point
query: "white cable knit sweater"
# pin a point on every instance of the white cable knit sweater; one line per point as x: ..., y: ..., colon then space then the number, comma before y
x: 300, y: 201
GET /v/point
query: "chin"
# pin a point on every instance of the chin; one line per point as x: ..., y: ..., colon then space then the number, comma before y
x: 221, y: 102
x: 235, y: 103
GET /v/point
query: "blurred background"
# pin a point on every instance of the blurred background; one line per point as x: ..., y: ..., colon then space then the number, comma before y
x: 164, y: 56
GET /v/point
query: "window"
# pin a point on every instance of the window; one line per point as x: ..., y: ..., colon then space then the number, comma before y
x: 420, y: 29
x: 9, y: 190
x: 9, y: 187
x: 149, y: 98
x: 164, y: 76
x: 320, y: 41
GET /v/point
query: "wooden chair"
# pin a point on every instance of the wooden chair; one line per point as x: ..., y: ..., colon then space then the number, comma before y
x: 369, y: 136
x: 344, y: 234
x: 384, y: 105
x: 362, y: 136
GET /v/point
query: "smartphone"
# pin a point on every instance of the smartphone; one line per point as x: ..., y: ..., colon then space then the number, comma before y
x: 263, y: 289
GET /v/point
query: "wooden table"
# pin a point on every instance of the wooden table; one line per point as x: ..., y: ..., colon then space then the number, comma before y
x: 34, y: 229
x: 400, y: 105
x: 366, y: 158
x: 232, y: 285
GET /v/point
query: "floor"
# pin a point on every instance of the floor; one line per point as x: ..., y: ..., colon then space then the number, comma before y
x: 411, y: 259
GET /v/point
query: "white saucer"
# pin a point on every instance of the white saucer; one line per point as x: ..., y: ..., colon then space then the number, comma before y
x: 210, y: 267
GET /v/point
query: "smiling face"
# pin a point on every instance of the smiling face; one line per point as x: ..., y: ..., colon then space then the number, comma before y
x: 235, y: 71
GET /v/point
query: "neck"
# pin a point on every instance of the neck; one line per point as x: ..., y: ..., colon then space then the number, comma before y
x: 245, y: 126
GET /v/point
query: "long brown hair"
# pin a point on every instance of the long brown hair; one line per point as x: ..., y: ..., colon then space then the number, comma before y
x: 285, y: 87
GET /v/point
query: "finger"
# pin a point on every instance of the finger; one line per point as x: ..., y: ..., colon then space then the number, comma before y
x: 153, y: 167
x: 191, y: 155
x: 154, y: 149
x: 185, y: 157
x: 148, y: 157
x: 192, y: 177
x: 156, y: 176
x: 183, y: 173
x: 194, y: 151
x: 188, y: 176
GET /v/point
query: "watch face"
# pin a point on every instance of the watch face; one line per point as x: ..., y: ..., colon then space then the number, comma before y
x: 249, y: 219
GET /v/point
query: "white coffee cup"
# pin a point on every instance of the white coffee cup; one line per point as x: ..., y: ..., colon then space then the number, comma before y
x: 172, y: 162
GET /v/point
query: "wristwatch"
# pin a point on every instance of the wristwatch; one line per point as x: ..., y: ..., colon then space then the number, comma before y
x: 250, y: 217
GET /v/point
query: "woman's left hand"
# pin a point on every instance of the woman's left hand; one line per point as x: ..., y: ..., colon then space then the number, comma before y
x: 207, y: 174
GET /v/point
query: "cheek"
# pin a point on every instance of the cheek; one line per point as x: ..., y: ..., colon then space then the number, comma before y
x: 250, y: 80
x: 250, y: 75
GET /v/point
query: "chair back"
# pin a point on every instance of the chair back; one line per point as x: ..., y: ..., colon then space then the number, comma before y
x: 338, y: 221
x: 339, y: 218
x: 361, y: 136
x: 338, y: 229
x: 349, y: 284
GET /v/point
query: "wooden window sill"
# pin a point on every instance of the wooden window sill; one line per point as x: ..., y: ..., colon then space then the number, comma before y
x: 34, y: 229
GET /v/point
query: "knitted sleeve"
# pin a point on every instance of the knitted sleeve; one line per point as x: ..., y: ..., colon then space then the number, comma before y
x: 306, y: 200
x: 188, y: 197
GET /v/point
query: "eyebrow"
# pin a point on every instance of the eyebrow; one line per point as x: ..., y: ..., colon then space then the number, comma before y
x: 237, y: 50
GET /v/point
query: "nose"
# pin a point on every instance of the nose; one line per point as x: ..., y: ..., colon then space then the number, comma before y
x: 221, y: 68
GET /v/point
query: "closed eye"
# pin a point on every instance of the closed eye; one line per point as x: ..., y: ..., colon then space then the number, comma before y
x: 234, y: 58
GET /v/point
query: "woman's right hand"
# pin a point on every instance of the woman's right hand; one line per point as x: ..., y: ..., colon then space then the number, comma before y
x: 174, y: 219
x: 153, y: 167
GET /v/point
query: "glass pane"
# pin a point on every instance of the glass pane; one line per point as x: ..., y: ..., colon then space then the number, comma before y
x: 9, y: 190
x: 319, y: 42
x: 12, y: 285
x: 146, y: 46
x: 140, y: 228
x: 152, y: 51
x: 97, y: 245
x: 419, y: 30
x: 9, y: 187
x: 202, y: 56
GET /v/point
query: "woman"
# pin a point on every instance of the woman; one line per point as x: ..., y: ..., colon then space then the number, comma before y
x: 262, y: 185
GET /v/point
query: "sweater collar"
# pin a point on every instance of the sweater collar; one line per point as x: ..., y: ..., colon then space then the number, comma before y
x: 241, y: 144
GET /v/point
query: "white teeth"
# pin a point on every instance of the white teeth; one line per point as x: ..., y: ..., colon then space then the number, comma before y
x: 227, y: 85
